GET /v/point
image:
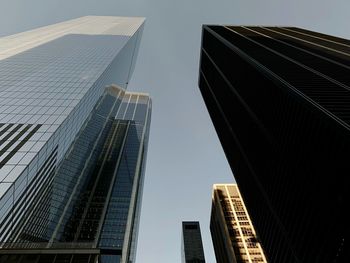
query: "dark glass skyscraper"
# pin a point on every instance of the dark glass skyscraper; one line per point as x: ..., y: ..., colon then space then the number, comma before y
x: 192, y: 247
x: 73, y: 143
x: 279, y: 99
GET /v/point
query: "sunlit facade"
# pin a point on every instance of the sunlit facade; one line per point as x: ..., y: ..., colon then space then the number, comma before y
x: 233, y: 234
x: 72, y: 141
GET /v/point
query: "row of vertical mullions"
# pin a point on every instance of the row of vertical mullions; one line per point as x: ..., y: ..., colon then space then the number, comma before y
x: 322, y: 59
x: 331, y: 110
x: 303, y: 46
x: 109, y: 145
x: 329, y: 38
x: 116, y: 168
x: 81, y: 175
x: 33, y: 190
x: 271, y: 74
x: 132, y: 209
x: 243, y: 55
x: 323, y: 42
x: 28, y: 195
x: 271, y: 50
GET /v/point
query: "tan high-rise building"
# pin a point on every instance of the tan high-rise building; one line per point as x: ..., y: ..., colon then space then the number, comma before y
x: 233, y: 234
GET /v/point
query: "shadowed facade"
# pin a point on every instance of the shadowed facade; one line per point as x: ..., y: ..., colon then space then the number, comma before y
x: 279, y: 99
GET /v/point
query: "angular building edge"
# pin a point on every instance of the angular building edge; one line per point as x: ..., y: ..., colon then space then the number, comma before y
x: 111, y: 119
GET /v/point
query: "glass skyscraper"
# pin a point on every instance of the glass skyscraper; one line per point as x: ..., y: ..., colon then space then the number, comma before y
x: 73, y: 142
x: 279, y: 98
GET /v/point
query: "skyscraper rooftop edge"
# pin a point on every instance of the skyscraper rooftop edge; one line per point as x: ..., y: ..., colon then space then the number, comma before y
x: 86, y: 25
x: 191, y: 243
x: 243, y: 39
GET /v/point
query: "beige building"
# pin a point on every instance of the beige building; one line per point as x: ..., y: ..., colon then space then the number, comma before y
x: 232, y: 231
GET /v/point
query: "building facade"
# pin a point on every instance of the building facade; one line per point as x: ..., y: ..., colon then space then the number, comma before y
x: 73, y: 142
x: 279, y: 98
x: 191, y: 245
x: 233, y: 234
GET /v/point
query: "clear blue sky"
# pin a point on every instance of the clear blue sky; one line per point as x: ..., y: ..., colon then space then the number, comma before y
x: 184, y: 157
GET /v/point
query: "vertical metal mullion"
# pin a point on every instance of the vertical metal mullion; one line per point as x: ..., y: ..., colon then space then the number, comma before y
x: 129, y: 225
x: 71, y: 258
x: 127, y: 106
x: 108, y: 197
x: 109, y: 147
x: 54, y: 259
x: 80, y: 177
